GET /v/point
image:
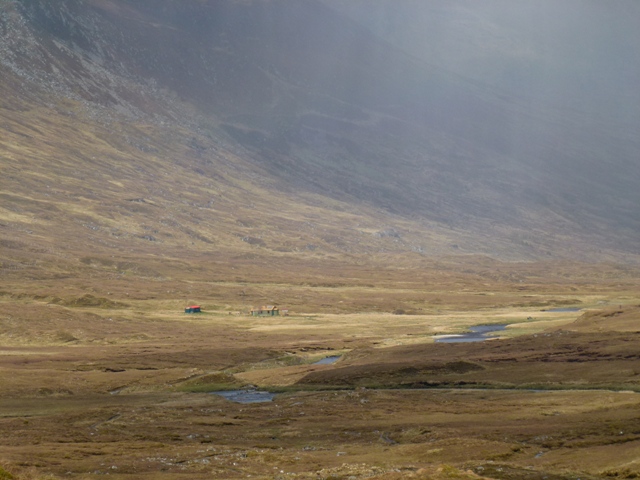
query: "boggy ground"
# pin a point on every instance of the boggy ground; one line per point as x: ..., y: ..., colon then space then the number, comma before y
x: 339, y: 434
x: 109, y: 377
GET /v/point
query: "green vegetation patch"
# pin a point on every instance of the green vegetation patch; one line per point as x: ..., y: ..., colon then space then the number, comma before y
x: 212, y: 382
x: 4, y: 475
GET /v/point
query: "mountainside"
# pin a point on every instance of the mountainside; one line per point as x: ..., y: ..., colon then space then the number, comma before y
x: 286, y: 130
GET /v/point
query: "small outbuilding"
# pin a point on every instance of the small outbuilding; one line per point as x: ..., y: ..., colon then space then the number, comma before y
x: 193, y: 309
x: 265, y: 311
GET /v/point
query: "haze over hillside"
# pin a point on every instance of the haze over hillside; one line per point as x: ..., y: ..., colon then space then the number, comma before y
x: 318, y: 129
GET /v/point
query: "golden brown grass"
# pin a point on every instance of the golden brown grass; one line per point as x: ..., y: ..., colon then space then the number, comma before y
x: 108, y: 229
x: 100, y: 371
x: 109, y: 383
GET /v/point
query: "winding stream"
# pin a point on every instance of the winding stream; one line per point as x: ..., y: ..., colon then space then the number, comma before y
x: 327, y: 360
x: 563, y: 310
x: 246, y: 396
x: 478, y: 333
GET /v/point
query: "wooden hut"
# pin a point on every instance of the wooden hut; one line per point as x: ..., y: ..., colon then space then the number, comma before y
x: 265, y: 311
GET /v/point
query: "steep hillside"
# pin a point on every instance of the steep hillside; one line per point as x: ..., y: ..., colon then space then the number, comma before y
x: 266, y: 129
x: 566, y: 74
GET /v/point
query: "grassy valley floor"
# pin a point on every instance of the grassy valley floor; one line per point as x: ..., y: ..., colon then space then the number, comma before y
x: 117, y: 382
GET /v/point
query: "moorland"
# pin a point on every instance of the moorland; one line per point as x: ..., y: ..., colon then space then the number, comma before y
x: 118, y: 382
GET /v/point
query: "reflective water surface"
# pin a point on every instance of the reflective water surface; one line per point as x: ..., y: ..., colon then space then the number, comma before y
x: 477, y: 334
x: 246, y: 396
x: 328, y: 360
